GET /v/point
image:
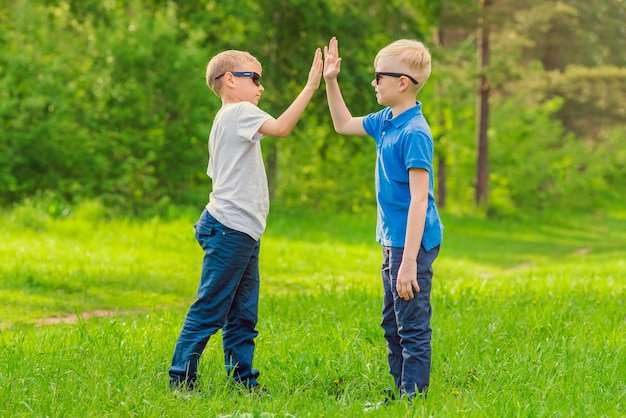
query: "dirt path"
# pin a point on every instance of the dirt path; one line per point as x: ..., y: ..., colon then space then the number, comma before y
x: 73, y: 318
x: 581, y: 252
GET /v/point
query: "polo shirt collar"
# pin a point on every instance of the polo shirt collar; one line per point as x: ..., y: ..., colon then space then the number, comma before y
x: 407, y: 115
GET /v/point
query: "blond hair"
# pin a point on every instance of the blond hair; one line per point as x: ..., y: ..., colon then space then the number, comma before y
x: 410, y: 53
x: 231, y: 60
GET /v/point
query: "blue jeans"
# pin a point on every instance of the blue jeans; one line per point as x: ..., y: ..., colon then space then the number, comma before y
x: 228, y: 298
x: 406, y: 324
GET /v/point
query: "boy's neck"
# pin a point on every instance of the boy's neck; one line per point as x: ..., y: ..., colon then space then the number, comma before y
x: 230, y: 100
x: 401, y: 107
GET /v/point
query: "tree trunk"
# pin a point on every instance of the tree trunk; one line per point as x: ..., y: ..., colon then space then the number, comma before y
x: 442, y: 189
x: 482, y: 161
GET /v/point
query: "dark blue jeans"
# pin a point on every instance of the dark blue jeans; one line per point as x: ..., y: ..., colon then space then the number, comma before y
x: 228, y: 298
x: 407, y: 323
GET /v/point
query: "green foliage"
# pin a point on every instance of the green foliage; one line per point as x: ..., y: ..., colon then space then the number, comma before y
x: 324, y: 171
x: 107, y: 100
x: 95, y: 110
x: 546, y: 167
x: 602, y: 39
x: 598, y: 92
x: 119, y: 109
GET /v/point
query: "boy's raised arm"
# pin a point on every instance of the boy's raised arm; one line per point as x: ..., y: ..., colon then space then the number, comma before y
x: 343, y: 121
x: 285, y: 123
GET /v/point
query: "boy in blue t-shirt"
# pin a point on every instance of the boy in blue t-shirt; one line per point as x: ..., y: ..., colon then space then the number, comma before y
x: 231, y: 225
x: 408, y: 224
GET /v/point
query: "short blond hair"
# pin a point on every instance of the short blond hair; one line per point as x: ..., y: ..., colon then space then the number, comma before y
x: 231, y: 60
x: 410, y: 53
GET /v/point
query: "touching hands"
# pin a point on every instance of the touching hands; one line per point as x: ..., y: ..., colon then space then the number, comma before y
x: 315, y: 75
x: 332, y: 62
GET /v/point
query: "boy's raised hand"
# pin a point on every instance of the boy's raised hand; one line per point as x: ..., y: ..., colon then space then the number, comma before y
x: 315, y: 75
x: 332, y: 62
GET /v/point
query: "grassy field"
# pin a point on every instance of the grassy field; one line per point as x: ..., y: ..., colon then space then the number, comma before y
x: 529, y: 318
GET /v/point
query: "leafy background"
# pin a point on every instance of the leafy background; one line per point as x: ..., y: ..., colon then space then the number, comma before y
x: 107, y: 100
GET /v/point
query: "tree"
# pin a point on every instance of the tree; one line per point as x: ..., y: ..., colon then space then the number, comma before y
x: 482, y: 111
x: 442, y: 22
x: 108, y: 99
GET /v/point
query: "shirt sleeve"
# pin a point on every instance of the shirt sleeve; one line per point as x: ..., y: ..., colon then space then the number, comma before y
x: 368, y: 124
x: 418, y: 151
x: 373, y: 123
x: 250, y: 121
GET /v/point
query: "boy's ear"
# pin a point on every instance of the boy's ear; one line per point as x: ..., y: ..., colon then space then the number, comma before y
x: 404, y: 84
x: 229, y: 80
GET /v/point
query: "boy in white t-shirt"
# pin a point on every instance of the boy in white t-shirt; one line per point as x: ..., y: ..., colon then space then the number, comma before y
x: 230, y: 227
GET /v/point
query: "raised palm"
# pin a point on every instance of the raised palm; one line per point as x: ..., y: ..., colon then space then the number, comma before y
x: 315, y: 74
x: 332, y: 62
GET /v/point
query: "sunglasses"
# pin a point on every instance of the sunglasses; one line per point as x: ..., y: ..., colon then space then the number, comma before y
x: 397, y: 75
x: 256, y: 78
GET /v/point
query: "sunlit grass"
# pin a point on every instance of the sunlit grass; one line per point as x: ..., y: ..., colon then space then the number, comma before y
x: 529, y: 319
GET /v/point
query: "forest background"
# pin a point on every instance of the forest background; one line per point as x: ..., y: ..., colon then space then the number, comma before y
x: 106, y: 100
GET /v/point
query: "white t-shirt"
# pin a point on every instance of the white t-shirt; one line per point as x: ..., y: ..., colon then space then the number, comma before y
x: 240, y: 196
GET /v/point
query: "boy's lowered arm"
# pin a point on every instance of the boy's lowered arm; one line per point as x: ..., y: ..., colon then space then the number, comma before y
x: 285, y: 123
x: 406, y: 283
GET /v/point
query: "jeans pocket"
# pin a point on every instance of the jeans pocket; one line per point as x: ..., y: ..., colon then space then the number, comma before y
x: 203, y: 231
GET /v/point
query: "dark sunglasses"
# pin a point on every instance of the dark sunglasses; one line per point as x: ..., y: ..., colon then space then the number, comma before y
x: 397, y: 75
x: 256, y: 78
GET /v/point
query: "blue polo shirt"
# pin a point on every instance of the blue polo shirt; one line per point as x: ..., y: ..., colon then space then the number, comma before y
x: 402, y: 143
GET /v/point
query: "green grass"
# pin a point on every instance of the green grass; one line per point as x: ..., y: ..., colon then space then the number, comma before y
x: 529, y: 318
